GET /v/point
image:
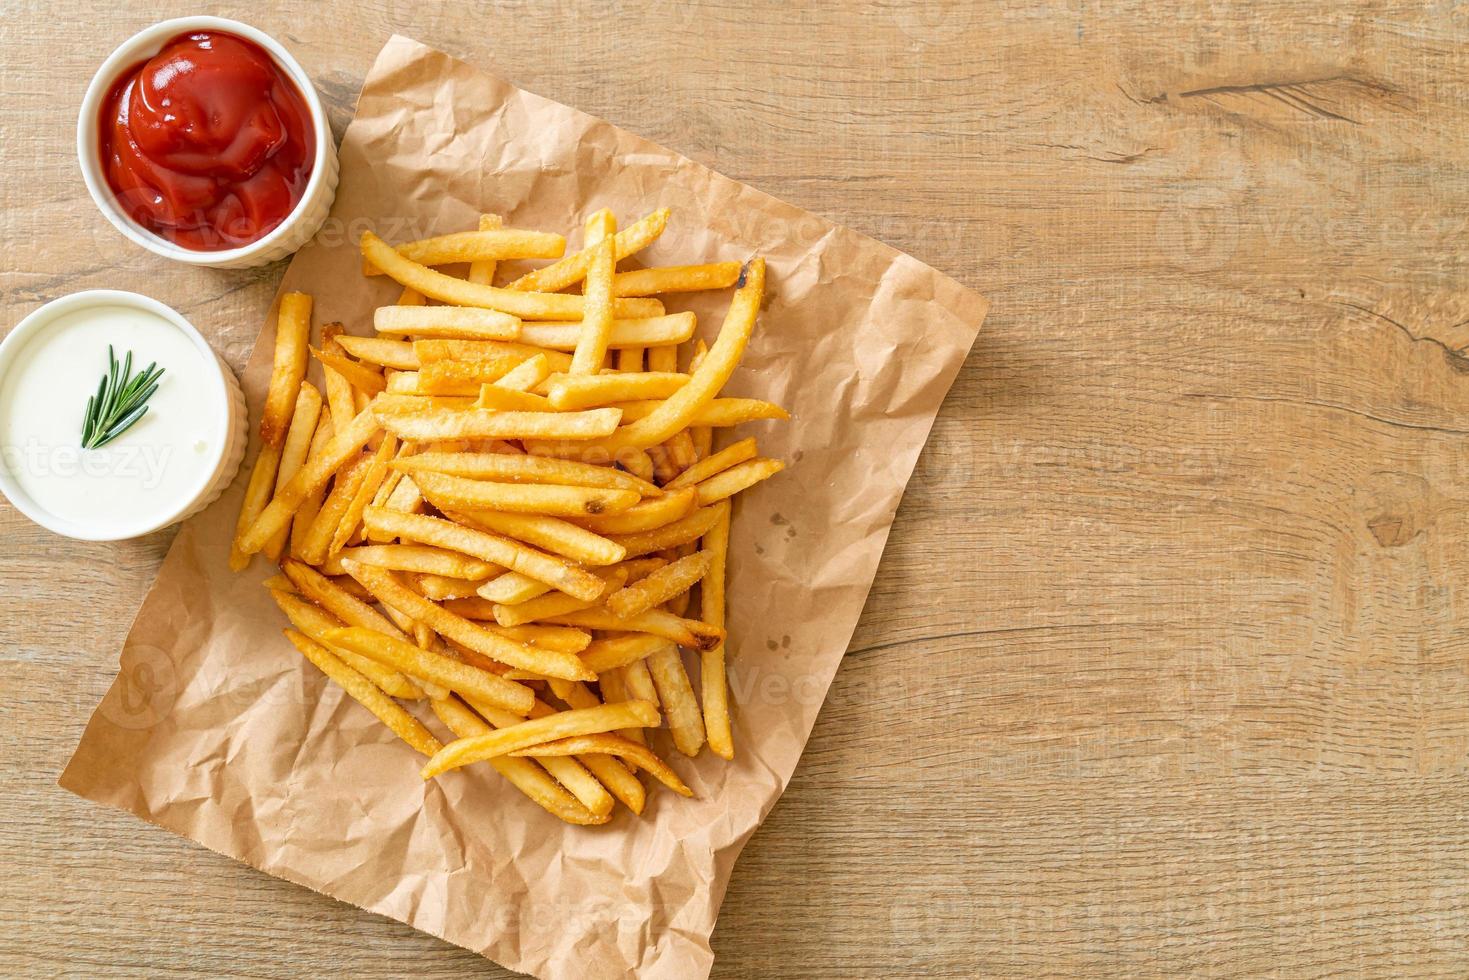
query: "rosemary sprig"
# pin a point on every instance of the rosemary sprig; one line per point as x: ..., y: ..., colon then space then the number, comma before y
x: 121, y: 400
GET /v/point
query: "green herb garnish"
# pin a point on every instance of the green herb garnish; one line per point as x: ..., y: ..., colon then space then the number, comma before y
x: 121, y: 400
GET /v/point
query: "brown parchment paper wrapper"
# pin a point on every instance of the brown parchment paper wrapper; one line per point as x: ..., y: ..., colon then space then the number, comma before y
x: 218, y: 730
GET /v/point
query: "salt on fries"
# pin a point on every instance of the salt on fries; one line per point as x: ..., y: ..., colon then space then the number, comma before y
x: 507, y: 502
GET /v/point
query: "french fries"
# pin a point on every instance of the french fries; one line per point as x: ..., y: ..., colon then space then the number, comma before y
x: 529, y: 778
x: 661, y: 586
x: 563, y: 724
x: 368, y: 694
x: 505, y: 468
x: 459, y: 292
x: 507, y: 507
x: 596, y: 325
x: 476, y: 246
x: 292, y: 330
x: 713, y: 680
x: 456, y: 322
x: 456, y: 493
x: 431, y: 424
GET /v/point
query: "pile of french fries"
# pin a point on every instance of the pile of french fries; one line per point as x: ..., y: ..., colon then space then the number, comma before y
x: 508, y: 503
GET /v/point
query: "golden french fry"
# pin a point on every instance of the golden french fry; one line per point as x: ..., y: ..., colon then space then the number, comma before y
x: 361, y: 377
x: 676, y: 279
x: 510, y: 355
x: 457, y: 493
x: 568, y: 771
x: 387, y: 588
x: 575, y: 391
x: 690, y: 528
x: 614, y: 652
x: 640, y: 681
x: 509, y: 400
x: 556, y: 603
x: 663, y: 359
x: 503, y: 468
x: 623, y: 784
x: 524, y: 775
x: 393, y: 401
x: 402, y: 383
x: 339, y: 393
x: 527, y: 375
x: 596, y: 324
x: 490, y: 244
x: 293, y: 453
x: 337, y: 600
x: 317, y: 543
x: 678, y: 453
x: 671, y: 328
x: 659, y: 587
x: 300, y: 522
x: 721, y: 412
x: 450, y: 322
x: 573, y: 268
x: 316, y: 622
x: 707, y: 466
x: 390, y: 482
x: 442, y: 670
x: 292, y: 331
x: 685, y: 632
x: 635, y: 461
x: 344, y: 446
x: 701, y: 435
x: 457, y: 292
x: 373, y: 475
x: 482, y: 270
x: 512, y: 588
x: 443, y: 587
x: 614, y: 688
x: 713, y: 681
x: 257, y: 494
x: 362, y: 690
x: 564, y: 724
x: 280, y: 583
x: 555, y: 572
x: 629, y: 359
x: 422, y: 559
x: 567, y: 639
x: 553, y: 534
x: 383, y: 351
x: 685, y: 721
x: 460, y: 377
x: 680, y: 410
x: 742, y: 476
x: 482, y: 424
x: 475, y: 607
x: 646, y: 516
x: 609, y: 744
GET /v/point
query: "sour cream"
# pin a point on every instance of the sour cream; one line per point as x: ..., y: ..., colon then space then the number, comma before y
x: 167, y: 465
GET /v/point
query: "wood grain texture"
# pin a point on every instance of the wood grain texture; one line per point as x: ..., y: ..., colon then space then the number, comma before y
x: 1164, y: 671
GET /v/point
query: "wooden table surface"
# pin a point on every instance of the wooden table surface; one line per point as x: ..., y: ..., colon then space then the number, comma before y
x: 1163, y: 671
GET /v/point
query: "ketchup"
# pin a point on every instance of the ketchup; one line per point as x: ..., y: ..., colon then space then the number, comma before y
x: 208, y: 143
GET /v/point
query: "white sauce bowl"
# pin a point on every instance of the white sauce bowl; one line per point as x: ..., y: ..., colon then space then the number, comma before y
x: 299, y: 226
x: 169, y: 469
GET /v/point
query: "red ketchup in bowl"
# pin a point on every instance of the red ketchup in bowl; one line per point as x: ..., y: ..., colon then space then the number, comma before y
x: 208, y: 144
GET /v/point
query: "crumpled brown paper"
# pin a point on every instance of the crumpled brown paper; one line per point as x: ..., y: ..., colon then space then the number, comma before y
x: 218, y: 730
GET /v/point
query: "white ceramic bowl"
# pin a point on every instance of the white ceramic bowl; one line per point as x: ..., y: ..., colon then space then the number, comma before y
x: 298, y: 227
x: 226, y: 405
